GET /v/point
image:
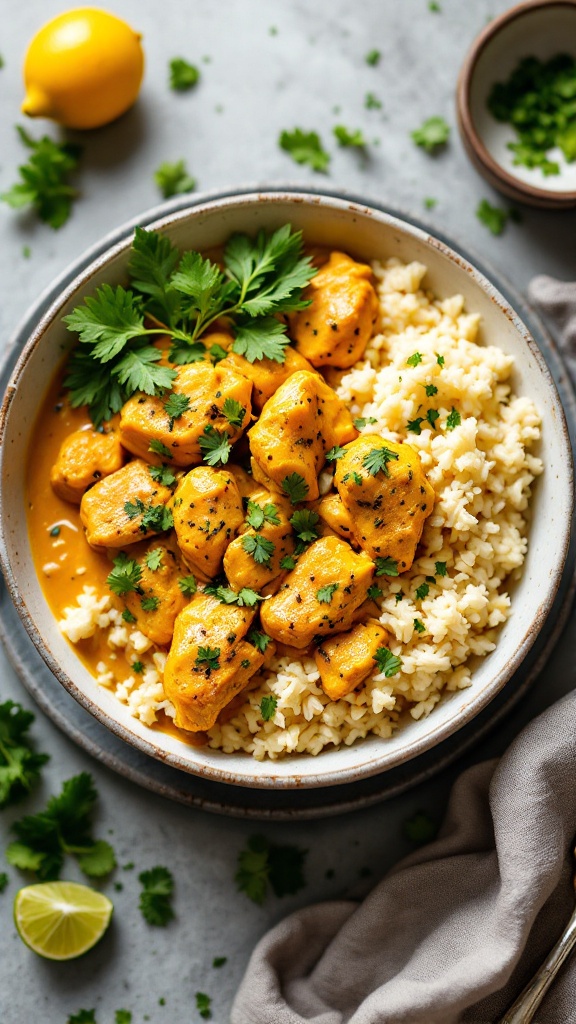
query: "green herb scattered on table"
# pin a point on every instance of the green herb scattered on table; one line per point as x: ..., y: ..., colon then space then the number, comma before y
x: 348, y: 137
x: 373, y: 57
x: 156, y: 897
x: 122, y: 1017
x: 184, y: 294
x: 64, y: 827
x: 45, y: 185
x: 82, y: 1017
x: 539, y: 101
x: 430, y: 202
x: 183, y: 75
x: 219, y: 961
x: 19, y: 763
x: 264, y: 864
x: 3, y: 880
x: 432, y: 134
x: 371, y: 102
x: 305, y: 148
x: 203, y: 1003
x: 493, y: 217
x: 173, y: 179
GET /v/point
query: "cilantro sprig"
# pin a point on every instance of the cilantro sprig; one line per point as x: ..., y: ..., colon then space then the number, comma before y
x: 19, y: 764
x: 305, y: 148
x: 183, y: 294
x: 156, y: 897
x: 264, y: 864
x: 44, y: 181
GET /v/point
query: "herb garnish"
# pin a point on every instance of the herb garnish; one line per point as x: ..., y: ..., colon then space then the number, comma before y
x: 324, y: 595
x: 288, y: 563
x: 305, y: 148
x: 374, y: 593
x: 187, y: 585
x: 19, y: 764
x: 219, y: 961
x: 162, y: 475
x: 439, y: 359
x: 387, y: 662
x: 422, y: 591
x: 419, y: 626
x: 347, y: 137
x: 371, y: 102
x: 430, y: 390
x: 44, y: 183
x: 415, y: 359
x: 295, y: 487
x: 259, y: 640
x: 244, y: 597
x: 215, y: 446
x: 304, y: 523
x: 259, y: 547
x: 432, y: 415
x: 454, y: 419
x: 125, y: 575
x: 263, y: 863
x: 150, y: 603
x: 268, y: 706
x: 183, y: 75
x: 234, y: 412
x: 376, y: 461
x: 208, y: 656
x: 173, y: 179
x: 362, y: 421
x: 153, y: 559
x: 335, y: 453
x: 386, y: 567
x: 156, y: 896
x: 373, y: 58
x: 432, y: 134
x: 176, y: 405
x: 258, y: 515
x: 414, y: 425
x: 493, y: 217
x: 203, y: 1004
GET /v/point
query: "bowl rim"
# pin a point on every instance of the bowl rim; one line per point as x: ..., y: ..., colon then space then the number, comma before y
x: 514, y: 185
x: 161, y: 218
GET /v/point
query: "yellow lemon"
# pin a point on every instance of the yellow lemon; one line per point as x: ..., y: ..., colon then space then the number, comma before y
x: 83, y: 69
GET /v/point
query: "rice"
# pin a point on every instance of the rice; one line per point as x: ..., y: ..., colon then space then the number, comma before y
x: 481, y: 468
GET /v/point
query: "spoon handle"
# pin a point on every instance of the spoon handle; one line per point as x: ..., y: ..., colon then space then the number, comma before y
x: 523, y: 1010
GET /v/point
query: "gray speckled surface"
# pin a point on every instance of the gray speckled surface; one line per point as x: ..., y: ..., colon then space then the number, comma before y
x: 263, y: 83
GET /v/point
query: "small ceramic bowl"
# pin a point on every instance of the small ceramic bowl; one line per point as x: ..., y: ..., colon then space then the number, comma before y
x: 539, y: 28
x: 370, y: 233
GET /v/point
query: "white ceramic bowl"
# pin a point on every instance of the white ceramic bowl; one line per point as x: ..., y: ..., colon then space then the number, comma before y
x: 369, y: 233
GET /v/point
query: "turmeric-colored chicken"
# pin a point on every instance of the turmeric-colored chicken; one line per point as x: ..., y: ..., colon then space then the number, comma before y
x: 320, y: 595
x: 159, y: 598
x: 266, y: 374
x: 207, y: 511
x: 210, y: 660
x: 332, y: 511
x: 125, y: 507
x: 301, y: 422
x: 387, y: 496
x: 346, y: 660
x: 85, y: 456
x: 217, y: 399
x: 253, y: 558
x: 334, y: 330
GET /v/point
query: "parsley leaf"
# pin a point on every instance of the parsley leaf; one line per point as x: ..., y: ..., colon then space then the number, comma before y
x: 128, y: 617
x: 122, y: 1017
x: 152, y: 261
x: 422, y: 591
x: 173, y: 179
x: 157, y: 518
x: 150, y: 603
x: 387, y: 662
x: 346, y: 137
x: 324, y: 595
x: 82, y: 1017
x: 440, y: 359
x: 419, y: 626
x: 386, y: 567
x: 356, y: 477
x: 263, y: 863
x: 268, y: 706
x: 44, y: 183
x: 454, y: 419
x: 158, y: 448
x: 432, y: 134
x: 219, y: 961
x: 264, y: 338
x: 234, y: 412
x: 374, y: 593
x: 304, y: 523
x: 19, y: 764
x: 361, y: 421
x: 203, y: 1003
x: 162, y: 475
x: 188, y: 585
x: 441, y: 568
x: 3, y: 881
x: 376, y: 460
x: 176, y: 405
x: 63, y: 827
x: 371, y: 102
x: 431, y: 390
x: 208, y: 656
x: 414, y: 425
x: 335, y: 453
x: 125, y: 576
x: 183, y: 75
x: 432, y: 415
x: 215, y: 446
x: 153, y: 559
x: 288, y: 562
x: 259, y: 640
x: 493, y: 217
x: 295, y: 487
x: 244, y: 597
x: 415, y: 359
x: 156, y: 897
x: 373, y: 58
x: 259, y: 547
x: 258, y: 515
x: 305, y: 148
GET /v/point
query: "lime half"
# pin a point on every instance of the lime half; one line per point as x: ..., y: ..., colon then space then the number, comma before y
x: 61, y: 920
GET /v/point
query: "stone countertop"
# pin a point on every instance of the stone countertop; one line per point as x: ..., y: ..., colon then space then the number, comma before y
x: 265, y: 67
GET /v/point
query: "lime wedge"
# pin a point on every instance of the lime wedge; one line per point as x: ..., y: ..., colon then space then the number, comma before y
x: 61, y: 920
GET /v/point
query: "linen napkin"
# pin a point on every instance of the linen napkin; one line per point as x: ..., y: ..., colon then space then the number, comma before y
x: 452, y: 934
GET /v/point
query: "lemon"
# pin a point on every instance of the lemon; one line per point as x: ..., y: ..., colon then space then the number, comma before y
x: 61, y: 920
x: 83, y: 69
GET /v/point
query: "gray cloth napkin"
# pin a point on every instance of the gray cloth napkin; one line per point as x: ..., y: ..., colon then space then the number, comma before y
x: 451, y: 934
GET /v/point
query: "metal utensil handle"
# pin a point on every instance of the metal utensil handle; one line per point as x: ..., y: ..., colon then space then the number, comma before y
x: 523, y: 1010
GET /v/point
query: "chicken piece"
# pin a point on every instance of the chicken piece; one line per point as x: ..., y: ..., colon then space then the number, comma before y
x: 159, y: 599
x: 245, y: 482
x: 242, y: 567
x: 346, y: 660
x: 266, y: 374
x: 209, y: 660
x: 207, y: 513
x: 335, y: 329
x: 144, y: 418
x: 320, y: 595
x: 125, y: 507
x: 331, y: 510
x: 298, y: 425
x: 386, y: 493
x: 85, y: 456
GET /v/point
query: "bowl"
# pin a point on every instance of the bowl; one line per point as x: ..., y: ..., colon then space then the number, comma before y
x: 540, y: 28
x: 371, y: 233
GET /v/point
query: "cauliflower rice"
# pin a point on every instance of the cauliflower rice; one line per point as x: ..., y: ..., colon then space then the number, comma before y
x: 481, y: 471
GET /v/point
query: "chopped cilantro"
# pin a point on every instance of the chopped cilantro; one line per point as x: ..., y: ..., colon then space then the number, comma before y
x: 55, y: 531
x: 176, y: 405
x: 19, y: 764
x: 356, y: 477
x: 305, y: 148
x: 173, y: 179
x: 493, y: 217
x: 434, y: 6
x: 371, y: 102
x: 162, y: 475
x: 122, y: 1017
x: 183, y: 75
x: 441, y: 569
x: 157, y: 518
x: 432, y: 415
x: 125, y: 575
x: 432, y: 134
x: 268, y: 706
x: 431, y: 390
x: 234, y: 412
x: 3, y: 880
x: 335, y: 453
x: 134, y: 508
x: 82, y: 1017
x: 373, y: 58
x: 260, y: 514
x: 430, y: 202
x: 203, y: 1004
x: 263, y: 863
x: 156, y: 897
x: 158, y: 448
x: 295, y: 487
x: 415, y: 359
x: 349, y: 138
x: 419, y: 626
x: 304, y: 523
x: 153, y: 559
x: 259, y: 547
x: 386, y: 567
x: 150, y: 603
x: 440, y: 359
x: 208, y: 656
x: 138, y: 667
x: 45, y: 185
x: 244, y: 597
x: 187, y: 585
x: 259, y: 640
x: 414, y: 425
x: 376, y: 461
x: 127, y: 616
x: 324, y: 595
x: 374, y: 593
x: 398, y: 596
x: 215, y: 446
x: 387, y: 662
x: 219, y: 961
x: 361, y: 421
x: 422, y: 591
x: 454, y: 419
x: 288, y: 562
